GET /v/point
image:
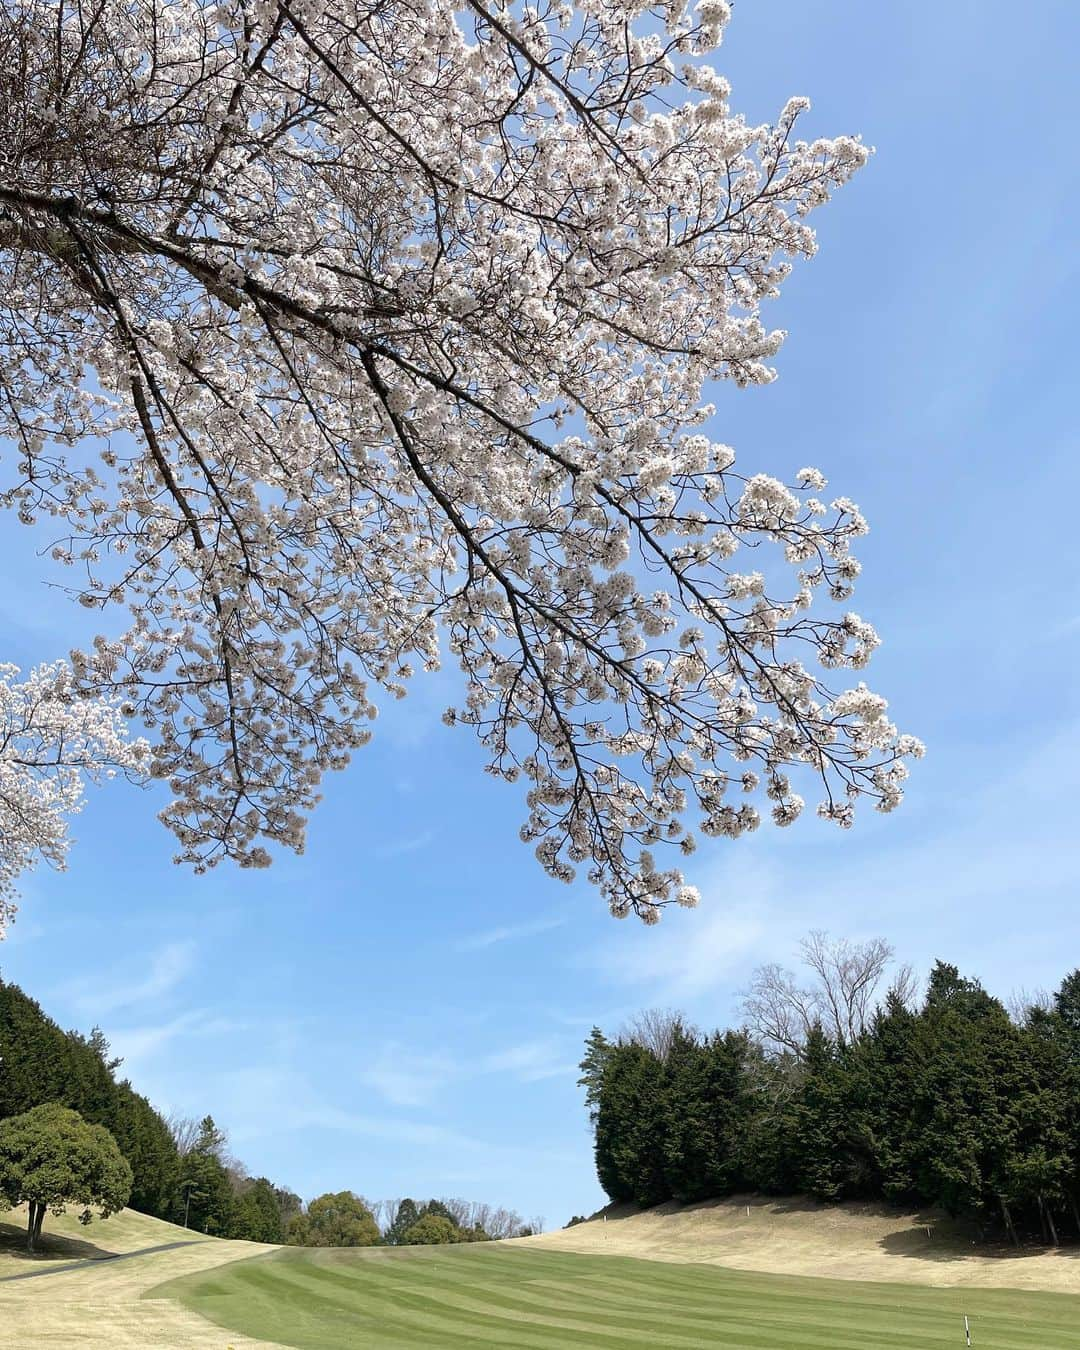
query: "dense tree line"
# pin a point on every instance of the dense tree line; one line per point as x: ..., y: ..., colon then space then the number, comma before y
x: 409, y: 1223
x: 948, y: 1101
x: 181, y: 1168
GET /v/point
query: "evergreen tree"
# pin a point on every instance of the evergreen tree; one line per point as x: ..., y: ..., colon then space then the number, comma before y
x: 205, y: 1196
x: 892, y: 1054
x: 630, y: 1124
x: 706, y: 1112
x: 406, y: 1214
x: 597, y: 1053
x: 42, y: 1063
x: 256, y: 1214
x: 820, y: 1119
x: 952, y: 1105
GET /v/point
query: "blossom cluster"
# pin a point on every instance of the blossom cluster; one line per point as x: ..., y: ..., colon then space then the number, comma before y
x: 341, y: 337
x: 51, y: 742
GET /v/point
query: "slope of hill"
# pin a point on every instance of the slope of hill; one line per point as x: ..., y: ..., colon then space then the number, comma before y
x: 801, y: 1237
x: 64, y: 1238
x: 86, y: 1288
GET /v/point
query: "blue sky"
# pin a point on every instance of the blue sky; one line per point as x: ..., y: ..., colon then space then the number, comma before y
x: 400, y: 1011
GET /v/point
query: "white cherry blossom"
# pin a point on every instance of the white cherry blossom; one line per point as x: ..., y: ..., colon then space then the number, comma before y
x: 51, y: 742
x: 342, y: 337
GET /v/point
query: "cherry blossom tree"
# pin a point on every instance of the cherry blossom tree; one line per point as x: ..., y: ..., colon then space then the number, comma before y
x: 51, y: 742
x: 342, y: 337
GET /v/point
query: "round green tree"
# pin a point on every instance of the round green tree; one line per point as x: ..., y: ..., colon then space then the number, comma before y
x: 51, y: 1158
x: 432, y: 1230
x: 339, y: 1220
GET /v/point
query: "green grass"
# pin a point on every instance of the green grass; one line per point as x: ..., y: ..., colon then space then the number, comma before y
x: 446, y: 1298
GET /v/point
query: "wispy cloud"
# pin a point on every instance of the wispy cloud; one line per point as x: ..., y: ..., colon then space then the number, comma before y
x: 279, y: 1099
x: 397, y: 848
x: 144, y: 1043
x: 530, y: 1061
x: 166, y: 968
x: 508, y: 933
x: 402, y: 1076
x: 405, y: 1077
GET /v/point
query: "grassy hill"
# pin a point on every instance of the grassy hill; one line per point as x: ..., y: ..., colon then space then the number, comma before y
x: 64, y: 1238
x: 83, y: 1291
x: 795, y: 1236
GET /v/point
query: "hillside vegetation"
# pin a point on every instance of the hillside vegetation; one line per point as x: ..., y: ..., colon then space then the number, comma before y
x: 948, y: 1102
x: 182, y: 1169
x: 177, y: 1174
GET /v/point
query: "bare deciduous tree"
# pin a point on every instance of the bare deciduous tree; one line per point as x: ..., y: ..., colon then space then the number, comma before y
x: 184, y: 1131
x: 841, y: 997
x: 655, y: 1029
x: 496, y: 1221
x: 1022, y: 1003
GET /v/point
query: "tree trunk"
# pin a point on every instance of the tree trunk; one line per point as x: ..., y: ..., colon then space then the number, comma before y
x: 1008, y: 1222
x: 1075, y: 1211
x: 1050, y: 1221
x: 1042, y: 1218
x: 33, y: 1224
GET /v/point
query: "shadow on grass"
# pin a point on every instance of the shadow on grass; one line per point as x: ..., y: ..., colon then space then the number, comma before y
x: 914, y: 1242
x: 50, y: 1247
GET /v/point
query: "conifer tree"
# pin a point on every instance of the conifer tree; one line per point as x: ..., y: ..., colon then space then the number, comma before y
x: 630, y: 1125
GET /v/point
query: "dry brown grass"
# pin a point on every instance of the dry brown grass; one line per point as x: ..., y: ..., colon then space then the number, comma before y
x: 98, y: 1303
x: 799, y: 1237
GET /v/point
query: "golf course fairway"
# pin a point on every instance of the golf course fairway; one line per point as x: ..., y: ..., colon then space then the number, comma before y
x: 443, y: 1298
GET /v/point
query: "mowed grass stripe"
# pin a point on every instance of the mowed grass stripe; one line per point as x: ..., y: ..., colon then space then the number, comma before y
x: 623, y: 1319
x: 450, y: 1285
x: 464, y: 1298
x: 491, y: 1316
x: 875, y: 1299
x: 797, y: 1325
x: 878, y: 1302
x: 801, y: 1313
x: 627, y: 1319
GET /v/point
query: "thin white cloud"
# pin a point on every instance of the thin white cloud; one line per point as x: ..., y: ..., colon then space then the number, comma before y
x: 167, y: 967
x: 136, y: 1044
x: 397, y: 848
x: 508, y: 933
x: 274, y: 1099
x: 406, y: 1078
x: 530, y: 1061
